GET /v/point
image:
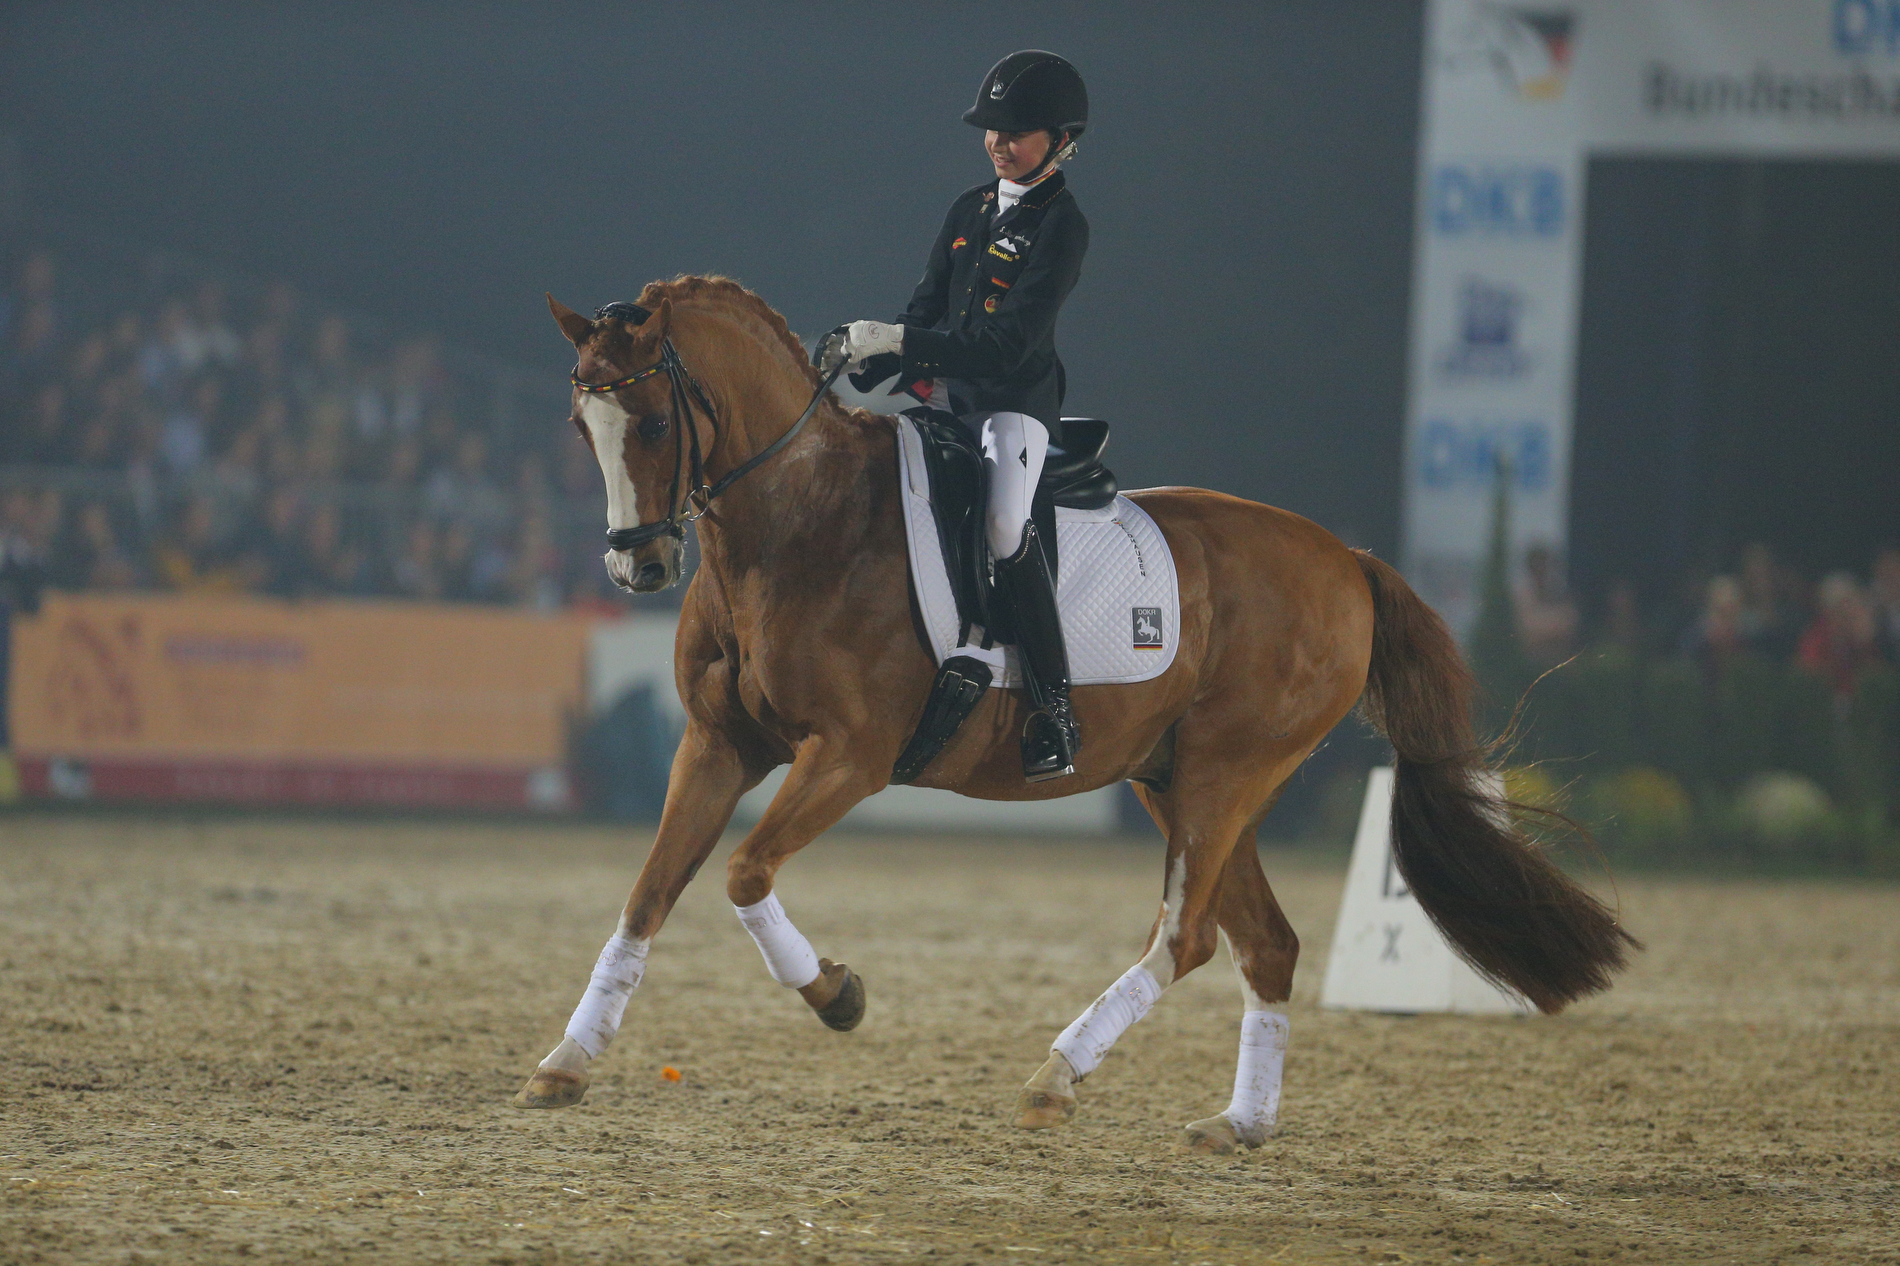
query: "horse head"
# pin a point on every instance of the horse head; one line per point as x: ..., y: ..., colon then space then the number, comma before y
x: 632, y: 429
x: 650, y: 419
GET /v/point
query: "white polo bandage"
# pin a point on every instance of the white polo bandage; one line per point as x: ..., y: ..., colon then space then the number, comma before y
x: 1256, y: 1105
x: 617, y: 972
x: 1086, y: 1041
x: 788, y: 955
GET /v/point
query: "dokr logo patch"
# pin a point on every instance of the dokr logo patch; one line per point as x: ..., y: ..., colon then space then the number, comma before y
x: 1147, y: 628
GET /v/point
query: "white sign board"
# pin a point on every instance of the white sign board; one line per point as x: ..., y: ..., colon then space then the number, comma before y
x: 1517, y: 97
x: 1387, y: 955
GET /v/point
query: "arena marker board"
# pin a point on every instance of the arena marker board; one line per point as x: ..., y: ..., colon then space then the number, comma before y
x: 1387, y: 955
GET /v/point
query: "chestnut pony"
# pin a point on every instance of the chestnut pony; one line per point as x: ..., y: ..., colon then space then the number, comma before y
x: 799, y: 644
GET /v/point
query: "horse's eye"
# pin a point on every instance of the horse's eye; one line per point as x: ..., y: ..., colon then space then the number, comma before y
x: 652, y: 426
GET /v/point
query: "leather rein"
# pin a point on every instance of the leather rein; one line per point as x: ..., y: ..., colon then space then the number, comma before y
x: 688, y: 461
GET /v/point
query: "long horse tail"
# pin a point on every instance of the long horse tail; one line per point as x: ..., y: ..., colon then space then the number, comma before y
x: 1502, y: 903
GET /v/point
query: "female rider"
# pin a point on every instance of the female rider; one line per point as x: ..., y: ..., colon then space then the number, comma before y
x: 978, y: 341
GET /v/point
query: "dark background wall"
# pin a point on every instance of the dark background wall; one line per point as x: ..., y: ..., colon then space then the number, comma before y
x: 1248, y: 179
x: 1739, y: 369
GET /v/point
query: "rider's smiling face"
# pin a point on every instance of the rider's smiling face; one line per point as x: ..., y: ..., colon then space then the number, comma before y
x: 1016, y: 154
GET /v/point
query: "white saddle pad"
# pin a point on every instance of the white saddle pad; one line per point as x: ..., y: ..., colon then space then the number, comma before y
x: 1117, y: 591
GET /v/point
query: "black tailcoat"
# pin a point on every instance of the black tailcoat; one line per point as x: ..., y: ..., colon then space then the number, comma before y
x: 984, y: 315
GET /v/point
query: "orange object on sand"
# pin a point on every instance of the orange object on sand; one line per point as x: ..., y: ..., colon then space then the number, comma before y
x: 670, y: 1073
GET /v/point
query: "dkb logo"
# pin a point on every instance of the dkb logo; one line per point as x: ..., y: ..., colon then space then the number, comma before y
x: 1507, y: 200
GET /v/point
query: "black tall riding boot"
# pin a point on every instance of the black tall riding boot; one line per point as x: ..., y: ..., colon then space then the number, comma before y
x: 1050, y: 737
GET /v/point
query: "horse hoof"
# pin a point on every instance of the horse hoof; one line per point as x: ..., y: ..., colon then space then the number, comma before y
x: 1046, y: 1100
x: 1217, y: 1136
x: 552, y: 1088
x: 1040, y: 1110
x: 847, y: 1008
x: 837, y: 996
x: 1213, y: 1137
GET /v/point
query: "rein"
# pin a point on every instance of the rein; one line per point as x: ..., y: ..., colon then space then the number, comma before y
x: 686, y: 462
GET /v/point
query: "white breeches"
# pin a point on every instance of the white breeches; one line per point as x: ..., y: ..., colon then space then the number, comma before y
x: 1014, y: 445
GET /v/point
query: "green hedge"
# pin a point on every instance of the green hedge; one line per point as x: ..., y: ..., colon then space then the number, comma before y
x: 1755, y: 760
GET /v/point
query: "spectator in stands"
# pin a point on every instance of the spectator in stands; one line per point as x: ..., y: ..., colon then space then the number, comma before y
x: 218, y: 436
x: 90, y: 556
x: 461, y: 490
x: 205, y: 341
x: 415, y: 572
x: 23, y: 569
x: 191, y: 426
x: 331, y: 565
x: 190, y: 558
x: 1717, y: 638
x: 534, y: 575
x: 1841, y: 643
x: 455, y: 561
x: 415, y: 385
x: 275, y: 564
x: 161, y: 366
x: 42, y: 437
x: 1884, y: 595
x: 237, y: 478
x: 1546, y: 616
x: 326, y: 386
x: 1770, y: 615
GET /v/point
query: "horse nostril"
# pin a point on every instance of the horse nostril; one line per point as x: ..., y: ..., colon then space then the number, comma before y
x: 653, y: 574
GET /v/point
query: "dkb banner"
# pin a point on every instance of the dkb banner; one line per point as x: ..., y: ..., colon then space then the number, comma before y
x: 1517, y: 99
x: 254, y: 700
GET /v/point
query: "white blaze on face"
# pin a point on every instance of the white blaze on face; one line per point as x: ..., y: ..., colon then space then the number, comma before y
x: 607, y: 427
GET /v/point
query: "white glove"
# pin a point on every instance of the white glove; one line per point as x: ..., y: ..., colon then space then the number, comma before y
x: 872, y: 338
x: 858, y: 341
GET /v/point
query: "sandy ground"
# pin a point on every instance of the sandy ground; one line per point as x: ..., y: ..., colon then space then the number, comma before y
x: 296, y: 1040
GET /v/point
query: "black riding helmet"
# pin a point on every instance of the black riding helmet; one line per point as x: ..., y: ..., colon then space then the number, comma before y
x: 1030, y: 91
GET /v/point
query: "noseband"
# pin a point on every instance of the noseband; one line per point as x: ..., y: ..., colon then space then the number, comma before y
x: 687, y: 460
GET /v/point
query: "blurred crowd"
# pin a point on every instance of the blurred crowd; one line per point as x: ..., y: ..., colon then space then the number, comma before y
x: 1839, y: 628
x: 176, y: 431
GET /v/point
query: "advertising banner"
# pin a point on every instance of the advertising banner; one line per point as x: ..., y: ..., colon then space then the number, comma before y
x: 256, y: 700
x: 1517, y: 98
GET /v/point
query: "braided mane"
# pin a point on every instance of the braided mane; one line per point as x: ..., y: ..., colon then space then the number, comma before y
x: 688, y: 287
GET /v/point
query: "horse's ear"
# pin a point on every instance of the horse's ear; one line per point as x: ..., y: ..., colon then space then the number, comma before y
x: 573, y: 324
x: 661, y: 321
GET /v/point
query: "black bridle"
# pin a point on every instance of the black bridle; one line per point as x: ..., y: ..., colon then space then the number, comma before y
x: 687, y: 459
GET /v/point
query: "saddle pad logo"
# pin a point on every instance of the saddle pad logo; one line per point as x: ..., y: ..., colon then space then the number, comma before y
x: 1147, y: 621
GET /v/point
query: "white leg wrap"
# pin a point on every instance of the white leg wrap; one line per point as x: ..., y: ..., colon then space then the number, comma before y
x: 1256, y: 1105
x: 622, y: 962
x: 1086, y: 1041
x: 788, y: 955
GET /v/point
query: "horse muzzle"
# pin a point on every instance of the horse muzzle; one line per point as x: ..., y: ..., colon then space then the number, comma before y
x: 646, y: 568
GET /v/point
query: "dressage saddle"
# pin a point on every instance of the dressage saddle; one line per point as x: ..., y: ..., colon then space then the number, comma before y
x: 1072, y: 476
